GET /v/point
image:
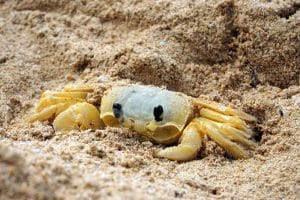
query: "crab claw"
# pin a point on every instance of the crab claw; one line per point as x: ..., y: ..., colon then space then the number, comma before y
x: 68, y: 109
x: 80, y: 116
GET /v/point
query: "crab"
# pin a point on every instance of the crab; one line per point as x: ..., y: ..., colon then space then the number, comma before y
x: 162, y: 116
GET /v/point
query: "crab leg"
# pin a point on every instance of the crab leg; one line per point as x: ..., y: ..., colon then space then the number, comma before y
x: 231, y: 133
x: 48, y: 112
x: 78, y: 88
x: 221, y: 134
x: 224, y: 109
x: 235, y: 121
x: 52, y: 100
x: 80, y: 95
x: 189, y: 145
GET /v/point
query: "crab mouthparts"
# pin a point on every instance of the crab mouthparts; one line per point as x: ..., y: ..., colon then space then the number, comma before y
x: 151, y: 126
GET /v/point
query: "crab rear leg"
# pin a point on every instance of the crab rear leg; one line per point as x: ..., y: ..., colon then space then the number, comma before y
x: 232, y: 133
x: 224, y: 109
x: 222, y: 134
x: 226, y: 126
x: 189, y: 145
x: 234, y: 121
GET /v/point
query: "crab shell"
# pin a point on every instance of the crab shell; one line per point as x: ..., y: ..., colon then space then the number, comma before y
x: 135, y: 110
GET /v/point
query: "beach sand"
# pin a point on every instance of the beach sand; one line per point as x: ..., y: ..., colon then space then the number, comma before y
x: 240, y: 53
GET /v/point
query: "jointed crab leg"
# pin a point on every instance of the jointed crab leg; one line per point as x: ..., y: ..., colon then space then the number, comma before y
x: 50, y: 100
x: 78, y: 88
x: 48, y: 113
x: 78, y: 94
x: 189, y: 145
x: 53, y: 103
x: 216, y: 133
x: 223, y: 125
x: 233, y: 120
x: 226, y: 126
x: 221, y: 133
x: 224, y: 109
x: 233, y: 133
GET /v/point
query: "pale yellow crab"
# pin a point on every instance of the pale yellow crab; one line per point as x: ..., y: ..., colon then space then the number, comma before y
x: 161, y: 115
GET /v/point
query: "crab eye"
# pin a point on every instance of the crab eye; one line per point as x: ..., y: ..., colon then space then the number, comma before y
x: 158, y: 112
x: 117, y: 110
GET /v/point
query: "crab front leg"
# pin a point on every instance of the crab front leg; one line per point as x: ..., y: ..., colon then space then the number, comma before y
x: 48, y: 113
x: 189, y: 145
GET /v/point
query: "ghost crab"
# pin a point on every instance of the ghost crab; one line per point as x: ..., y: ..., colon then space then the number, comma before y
x: 161, y: 115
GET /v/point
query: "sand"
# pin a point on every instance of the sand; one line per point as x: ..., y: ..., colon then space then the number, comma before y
x: 240, y: 53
